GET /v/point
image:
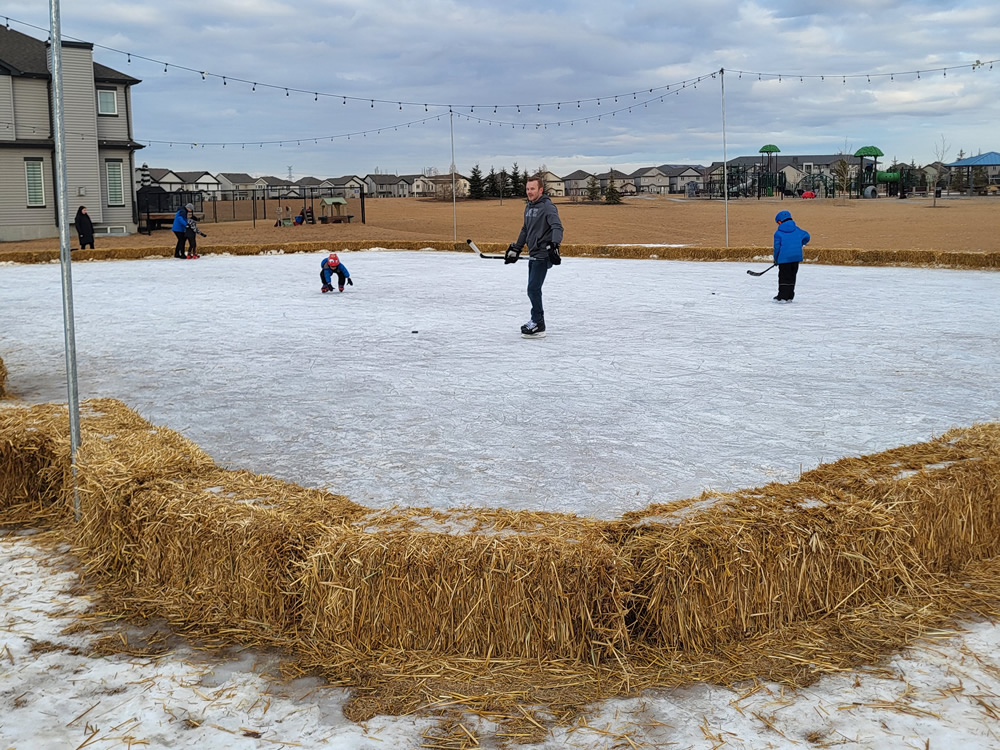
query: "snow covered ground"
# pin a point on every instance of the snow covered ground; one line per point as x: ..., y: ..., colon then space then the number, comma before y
x: 53, y: 695
x: 657, y: 380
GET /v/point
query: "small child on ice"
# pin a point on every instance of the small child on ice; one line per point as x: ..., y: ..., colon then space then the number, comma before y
x: 788, y: 243
x: 328, y: 267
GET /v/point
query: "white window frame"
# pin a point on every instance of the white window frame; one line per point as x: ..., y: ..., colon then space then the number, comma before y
x: 103, y: 100
x: 115, y: 166
x: 30, y: 165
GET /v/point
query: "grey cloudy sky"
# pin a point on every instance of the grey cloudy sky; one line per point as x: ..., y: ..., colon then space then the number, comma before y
x: 476, y: 56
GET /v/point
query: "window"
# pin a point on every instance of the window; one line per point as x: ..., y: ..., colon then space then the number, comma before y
x: 116, y: 192
x: 33, y: 181
x: 107, y: 102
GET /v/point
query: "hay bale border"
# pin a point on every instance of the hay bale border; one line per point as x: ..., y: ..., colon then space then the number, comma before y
x: 823, y: 256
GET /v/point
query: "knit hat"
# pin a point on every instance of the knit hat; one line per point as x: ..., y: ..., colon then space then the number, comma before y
x: 189, y: 206
x: 333, y: 259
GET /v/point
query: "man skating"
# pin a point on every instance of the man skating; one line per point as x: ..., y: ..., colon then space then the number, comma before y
x: 542, y: 232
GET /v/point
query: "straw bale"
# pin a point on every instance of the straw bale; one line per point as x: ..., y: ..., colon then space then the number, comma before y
x: 3, y: 379
x: 524, y: 593
x: 34, y: 463
x: 511, y: 608
x: 830, y: 256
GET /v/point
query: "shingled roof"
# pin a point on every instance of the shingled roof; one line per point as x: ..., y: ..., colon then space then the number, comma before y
x: 23, y: 55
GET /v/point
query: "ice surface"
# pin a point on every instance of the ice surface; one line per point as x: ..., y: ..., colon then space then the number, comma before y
x: 657, y: 379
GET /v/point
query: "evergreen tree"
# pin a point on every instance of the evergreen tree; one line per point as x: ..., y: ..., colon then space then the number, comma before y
x: 505, y: 187
x: 612, y: 197
x: 477, y: 189
x: 593, y: 189
x: 516, y: 186
x: 492, y: 184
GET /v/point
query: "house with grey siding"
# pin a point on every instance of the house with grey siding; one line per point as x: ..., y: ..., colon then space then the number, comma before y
x: 237, y: 185
x: 575, y: 183
x: 387, y: 186
x: 347, y: 186
x: 99, y: 150
x: 650, y: 180
x: 201, y: 182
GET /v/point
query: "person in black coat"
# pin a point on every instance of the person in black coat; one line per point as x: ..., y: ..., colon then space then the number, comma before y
x: 84, y: 228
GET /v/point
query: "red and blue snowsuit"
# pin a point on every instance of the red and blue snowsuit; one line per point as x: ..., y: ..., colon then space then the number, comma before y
x: 327, y: 269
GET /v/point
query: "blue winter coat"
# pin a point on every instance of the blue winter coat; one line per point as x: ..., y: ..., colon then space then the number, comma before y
x: 325, y: 266
x: 788, y: 242
x: 181, y: 220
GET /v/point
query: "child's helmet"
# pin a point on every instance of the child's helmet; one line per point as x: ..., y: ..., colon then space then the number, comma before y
x: 783, y: 216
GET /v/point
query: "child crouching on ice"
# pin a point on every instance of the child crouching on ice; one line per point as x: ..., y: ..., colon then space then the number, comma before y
x: 328, y: 267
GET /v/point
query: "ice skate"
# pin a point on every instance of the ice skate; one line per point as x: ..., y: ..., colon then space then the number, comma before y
x: 533, y: 330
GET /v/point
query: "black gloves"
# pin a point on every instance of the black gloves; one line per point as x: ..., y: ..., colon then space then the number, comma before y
x: 349, y: 282
x: 553, y: 250
x: 512, y: 254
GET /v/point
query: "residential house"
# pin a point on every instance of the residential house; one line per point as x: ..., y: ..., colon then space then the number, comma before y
x: 443, y: 183
x: 680, y: 175
x: 576, y: 182
x: 276, y: 187
x: 237, y: 186
x: 386, y: 186
x: 624, y: 185
x: 99, y: 153
x: 201, y: 182
x: 348, y: 186
x: 554, y: 185
x: 165, y: 179
x: 650, y: 180
x: 421, y: 186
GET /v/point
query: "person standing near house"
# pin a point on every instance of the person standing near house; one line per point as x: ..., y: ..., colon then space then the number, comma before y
x: 788, y: 243
x: 84, y: 228
x: 180, y: 228
x: 278, y: 216
x: 542, y: 232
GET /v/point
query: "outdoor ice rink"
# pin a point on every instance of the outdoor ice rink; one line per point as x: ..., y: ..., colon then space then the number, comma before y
x: 657, y: 380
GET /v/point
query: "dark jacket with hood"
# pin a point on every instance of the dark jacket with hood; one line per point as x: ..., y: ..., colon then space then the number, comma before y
x: 541, y: 225
x: 84, y: 227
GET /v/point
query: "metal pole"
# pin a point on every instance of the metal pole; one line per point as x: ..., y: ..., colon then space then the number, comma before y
x: 725, y: 159
x: 59, y: 136
x: 454, y: 207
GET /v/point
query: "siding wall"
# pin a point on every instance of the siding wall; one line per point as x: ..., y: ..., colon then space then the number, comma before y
x: 112, y: 128
x: 80, y: 116
x: 6, y: 108
x: 31, y: 109
x: 116, y: 215
x: 17, y: 222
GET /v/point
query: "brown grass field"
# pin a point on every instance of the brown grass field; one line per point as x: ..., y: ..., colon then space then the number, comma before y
x: 962, y: 224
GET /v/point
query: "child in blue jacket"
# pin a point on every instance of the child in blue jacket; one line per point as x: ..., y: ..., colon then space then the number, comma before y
x: 788, y: 243
x: 328, y: 267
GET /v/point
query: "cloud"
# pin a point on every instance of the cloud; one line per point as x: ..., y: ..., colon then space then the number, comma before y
x: 472, y: 55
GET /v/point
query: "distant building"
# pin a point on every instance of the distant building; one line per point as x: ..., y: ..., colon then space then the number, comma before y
x: 99, y: 146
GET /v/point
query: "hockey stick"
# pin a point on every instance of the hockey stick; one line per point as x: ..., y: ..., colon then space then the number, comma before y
x: 761, y: 273
x: 472, y: 246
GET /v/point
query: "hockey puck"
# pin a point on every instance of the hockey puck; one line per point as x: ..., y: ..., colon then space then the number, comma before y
x: 414, y: 331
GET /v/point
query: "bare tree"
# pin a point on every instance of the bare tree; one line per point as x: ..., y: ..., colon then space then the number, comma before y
x: 940, y: 154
